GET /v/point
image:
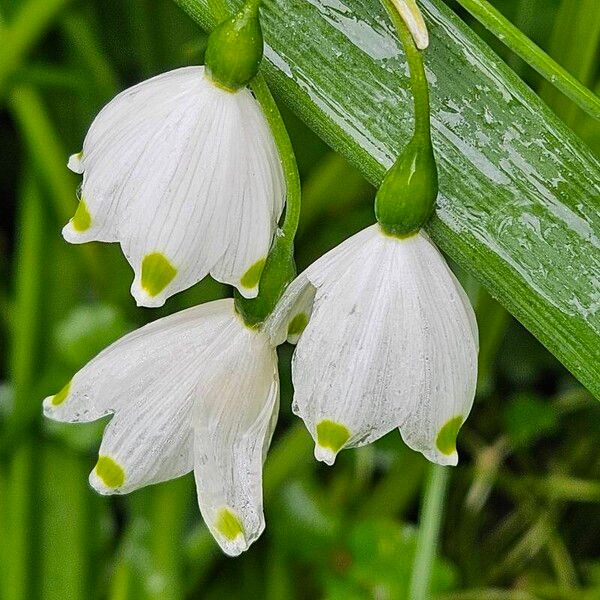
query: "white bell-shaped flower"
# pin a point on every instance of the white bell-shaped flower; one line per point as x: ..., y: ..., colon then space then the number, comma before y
x: 197, y: 390
x: 387, y: 338
x: 186, y: 176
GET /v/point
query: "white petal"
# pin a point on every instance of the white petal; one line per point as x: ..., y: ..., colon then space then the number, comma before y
x: 351, y: 368
x: 177, y: 167
x: 288, y: 319
x: 448, y: 329
x: 371, y: 358
x: 148, y: 379
x: 256, y: 207
x: 235, y: 415
x: 115, y: 145
x: 217, y: 207
x: 291, y: 314
x: 75, y: 164
x: 151, y: 439
x: 411, y: 14
x: 137, y: 363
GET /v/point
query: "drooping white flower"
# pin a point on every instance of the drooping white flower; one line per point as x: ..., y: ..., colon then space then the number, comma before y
x: 387, y: 338
x: 197, y: 390
x: 186, y: 176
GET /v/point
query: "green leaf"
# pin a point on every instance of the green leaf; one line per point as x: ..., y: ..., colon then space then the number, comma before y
x: 520, y: 192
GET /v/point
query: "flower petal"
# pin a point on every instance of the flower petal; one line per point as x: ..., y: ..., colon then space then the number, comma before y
x: 187, y: 177
x: 256, y: 205
x: 137, y: 364
x: 389, y: 322
x: 235, y: 416
x: 116, y: 144
x: 215, y: 207
x: 352, y: 367
x: 151, y: 439
x: 75, y: 163
x: 448, y: 329
x: 290, y: 316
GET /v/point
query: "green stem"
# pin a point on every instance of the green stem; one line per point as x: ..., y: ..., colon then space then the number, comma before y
x: 418, y: 80
x: 534, y: 56
x: 286, y: 154
x: 576, y: 20
x: 427, y: 541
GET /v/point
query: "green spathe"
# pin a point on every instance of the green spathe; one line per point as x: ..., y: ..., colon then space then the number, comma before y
x: 157, y: 273
x: 235, y: 49
x: 332, y: 435
x: 406, y: 199
x: 110, y: 472
x: 446, y: 438
x: 228, y: 524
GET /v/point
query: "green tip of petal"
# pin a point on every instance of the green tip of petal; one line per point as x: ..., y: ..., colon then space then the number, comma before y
x: 82, y: 219
x: 332, y: 435
x: 157, y: 273
x: 446, y: 438
x: 59, y: 398
x: 110, y: 472
x: 251, y: 277
x: 229, y: 525
x: 297, y: 325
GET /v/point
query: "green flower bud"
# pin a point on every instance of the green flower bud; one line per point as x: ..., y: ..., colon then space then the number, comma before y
x: 406, y: 199
x: 235, y: 49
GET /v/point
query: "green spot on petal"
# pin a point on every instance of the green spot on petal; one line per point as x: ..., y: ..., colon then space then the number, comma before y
x: 297, y: 324
x: 61, y: 396
x: 446, y: 438
x: 251, y: 277
x: 157, y: 273
x: 110, y: 472
x: 332, y: 435
x: 82, y: 219
x: 228, y: 524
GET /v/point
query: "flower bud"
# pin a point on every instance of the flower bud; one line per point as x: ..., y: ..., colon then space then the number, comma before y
x: 235, y: 49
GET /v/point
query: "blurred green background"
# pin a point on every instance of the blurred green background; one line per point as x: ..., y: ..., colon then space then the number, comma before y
x: 522, y: 512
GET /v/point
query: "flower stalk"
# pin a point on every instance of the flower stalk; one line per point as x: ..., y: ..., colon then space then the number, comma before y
x: 432, y: 509
x: 406, y: 199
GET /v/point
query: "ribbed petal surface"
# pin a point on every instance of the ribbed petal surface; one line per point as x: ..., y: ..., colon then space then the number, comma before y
x: 187, y: 178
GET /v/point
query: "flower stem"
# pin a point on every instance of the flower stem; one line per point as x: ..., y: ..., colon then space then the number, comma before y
x: 432, y: 509
x: 534, y: 56
x: 418, y: 80
x: 286, y: 155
